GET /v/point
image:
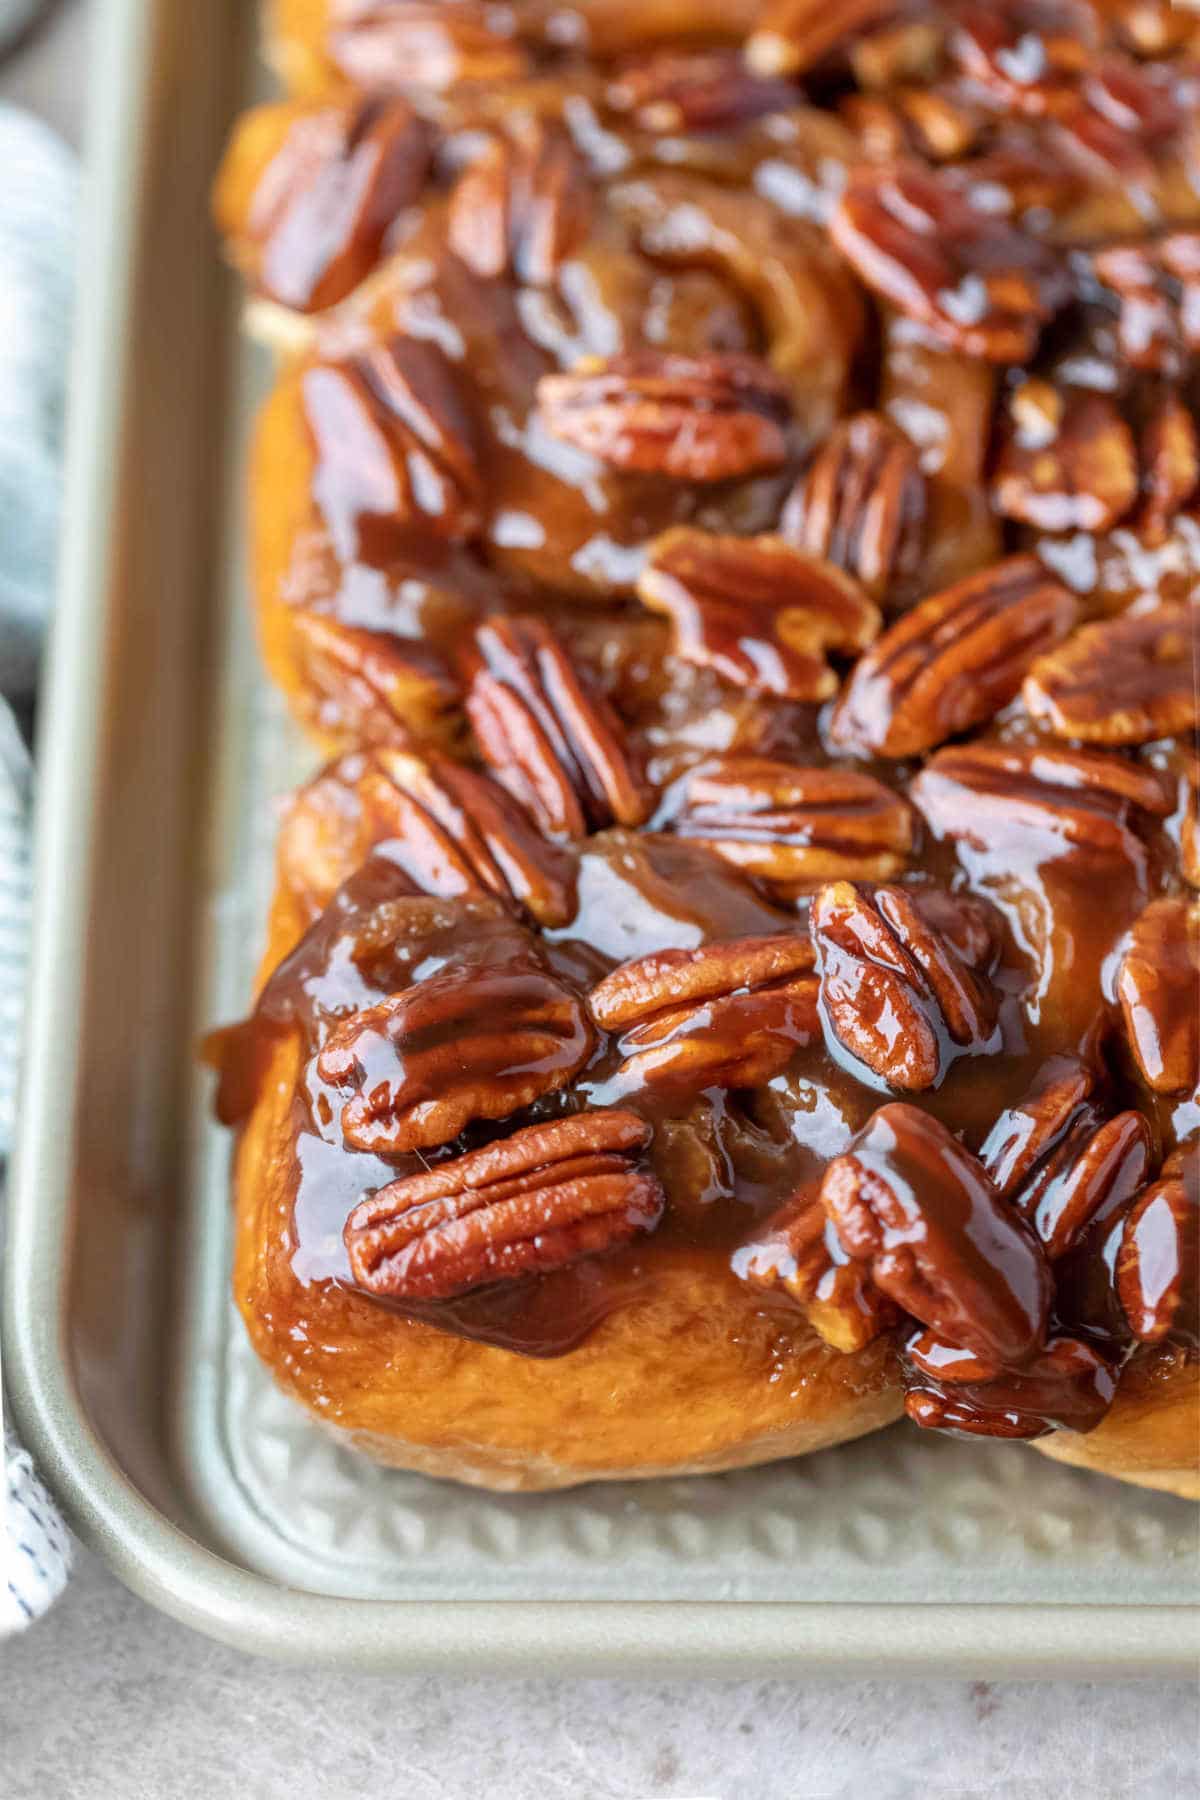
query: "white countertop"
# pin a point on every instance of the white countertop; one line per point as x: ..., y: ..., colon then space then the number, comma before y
x: 108, y: 1698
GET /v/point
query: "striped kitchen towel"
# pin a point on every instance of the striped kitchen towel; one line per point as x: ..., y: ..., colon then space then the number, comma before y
x: 37, y: 212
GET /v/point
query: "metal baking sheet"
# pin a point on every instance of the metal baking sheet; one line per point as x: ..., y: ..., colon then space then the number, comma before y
x: 162, y: 756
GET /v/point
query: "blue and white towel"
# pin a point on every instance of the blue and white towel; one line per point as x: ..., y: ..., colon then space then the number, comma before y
x: 38, y: 198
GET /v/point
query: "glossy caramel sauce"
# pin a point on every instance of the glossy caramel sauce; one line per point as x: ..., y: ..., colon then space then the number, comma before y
x: 727, y: 1160
x: 707, y: 240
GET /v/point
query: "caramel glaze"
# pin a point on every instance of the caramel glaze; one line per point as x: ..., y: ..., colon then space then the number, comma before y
x: 727, y: 1160
x: 707, y: 240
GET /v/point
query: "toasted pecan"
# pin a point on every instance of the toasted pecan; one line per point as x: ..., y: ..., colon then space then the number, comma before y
x: 464, y: 1043
x: 549, y: 735
x: 922, y: 1213
x: 1081, y: 808
x: 692, y: 418
x: 382, y: 46
x: 456, y: 831
x: 797, y: 1252
x: 695, y: 91
x: 523, y: 206
x: 1157, y: 1267
x: 791, y: 36
x: 396, y: 448
x: 1155, y: 285
x: 918, y: 240
x: 1088, y: 1175
x: 1121, y: 681
x: 894, y: 993
x: 1067, y: 459
x: 335, y: 181
x: 762, y: 614
x: 1070, y: 1385
x: 1158, y: 987
x: 730, y: 1014
x: 527, y: 1204
x: 1027, y: 55
x: 791, y: 826
x: 861, y: 504
x: 952, y: 661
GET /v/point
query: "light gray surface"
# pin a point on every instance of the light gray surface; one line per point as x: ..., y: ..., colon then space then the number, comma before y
x: 108, y: 1698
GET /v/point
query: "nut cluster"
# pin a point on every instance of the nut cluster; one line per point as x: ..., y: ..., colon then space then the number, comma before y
x: 741, y: 531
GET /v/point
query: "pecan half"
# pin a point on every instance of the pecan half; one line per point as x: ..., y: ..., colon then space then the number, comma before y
x: 1121, y: 681
x: 909, y: 47
x: 1149, y: 101
x: 396, y: 448
x: 1149, y: 27
x: 1185, y: 763
x: 457, y: 832
x: 1158, y: 1262
x: 523, y: 206
x: 1158, y: 987
x: 1155, y: 285
x: 1078, y: 806
x: 790, y: 826
x: 970, y: 925
x: 965, y: 274
x: 760, y: 613
x: 1017, y: 177
x: 1126, y: 118
x: 1169, y: 450
x: 1069, y: 1385
x: 1067, y: 459
x: 908, y: 121
x: 798, y: 1253
x: 549, y: 736
x: 702, y: 90
x: 323, y: 203
x: 466, y: 1043
x: 861, y: 504
x: 693, y: 418
x: 392, y: 45
x: 1089, y: 1175
x: 1036, y: 1127
x: 373, y: 686
x: 894, y: 994
x: 922, y: 1213
x: 1027, y: 55
x: 952, y: 661
x: 792, y: 36
x: 525, y: 1205
x: 729, y: 1014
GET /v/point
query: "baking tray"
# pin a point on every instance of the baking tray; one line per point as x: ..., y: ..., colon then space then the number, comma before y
x: 171, y: 1450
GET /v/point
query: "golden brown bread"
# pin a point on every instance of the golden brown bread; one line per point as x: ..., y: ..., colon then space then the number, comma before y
x: 1151, y: 1435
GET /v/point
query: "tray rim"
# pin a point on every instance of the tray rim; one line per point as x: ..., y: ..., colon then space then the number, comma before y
x: 156, y: 1559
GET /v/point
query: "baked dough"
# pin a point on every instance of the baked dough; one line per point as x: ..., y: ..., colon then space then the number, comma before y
x: 1150, y: 1435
